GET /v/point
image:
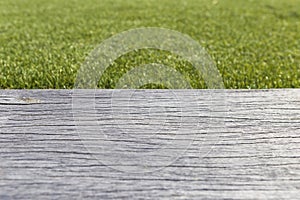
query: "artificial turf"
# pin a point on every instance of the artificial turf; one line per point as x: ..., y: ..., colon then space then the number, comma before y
x: 254, y: 43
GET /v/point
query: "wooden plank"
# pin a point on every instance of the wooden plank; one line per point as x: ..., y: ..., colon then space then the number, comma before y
x: 153, y: 144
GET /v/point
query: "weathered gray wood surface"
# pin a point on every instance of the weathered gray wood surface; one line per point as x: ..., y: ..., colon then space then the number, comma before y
x: 164, y: 144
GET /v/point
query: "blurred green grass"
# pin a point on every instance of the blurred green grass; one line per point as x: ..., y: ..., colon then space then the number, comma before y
x: 254, y: 43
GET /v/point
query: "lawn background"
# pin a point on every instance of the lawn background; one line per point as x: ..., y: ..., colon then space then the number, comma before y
x: 254, y: 43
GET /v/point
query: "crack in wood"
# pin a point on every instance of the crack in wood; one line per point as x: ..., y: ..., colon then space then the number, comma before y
x: 6, y: 100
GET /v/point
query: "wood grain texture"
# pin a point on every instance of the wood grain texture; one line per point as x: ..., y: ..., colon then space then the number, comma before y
x: 154, y: 144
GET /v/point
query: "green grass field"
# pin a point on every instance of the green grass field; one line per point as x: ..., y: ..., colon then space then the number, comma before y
x: 254, y: 43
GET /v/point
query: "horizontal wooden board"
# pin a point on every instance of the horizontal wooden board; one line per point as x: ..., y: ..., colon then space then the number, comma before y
x: 150, y: 144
